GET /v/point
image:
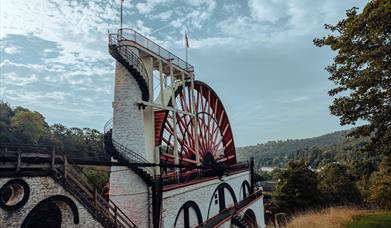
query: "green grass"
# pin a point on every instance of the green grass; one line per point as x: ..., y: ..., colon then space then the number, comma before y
x: 381, y: 220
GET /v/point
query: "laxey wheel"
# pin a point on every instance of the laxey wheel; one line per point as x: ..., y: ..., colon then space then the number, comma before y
x: 215, y: 139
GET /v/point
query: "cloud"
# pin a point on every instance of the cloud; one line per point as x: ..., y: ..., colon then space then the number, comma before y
x: 17, y: 80
x: 269, y: 10
x: 12, y: 50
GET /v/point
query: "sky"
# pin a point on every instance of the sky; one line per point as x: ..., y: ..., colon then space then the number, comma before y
x: 258, y: 56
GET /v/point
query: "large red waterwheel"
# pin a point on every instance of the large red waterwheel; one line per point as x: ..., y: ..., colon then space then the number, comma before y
x: 215, y: 139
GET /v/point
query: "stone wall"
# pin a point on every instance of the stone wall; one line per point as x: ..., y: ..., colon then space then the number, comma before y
x: 40, y: 189
x: 128, y: 123
x: 129, y: 192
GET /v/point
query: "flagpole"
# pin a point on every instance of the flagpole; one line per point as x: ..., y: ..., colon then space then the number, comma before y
x: 122, y: 1
x: 186, y: 57
x: 187, y: 46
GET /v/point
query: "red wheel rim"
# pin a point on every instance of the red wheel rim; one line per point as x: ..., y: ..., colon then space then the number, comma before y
x: 214, y: 131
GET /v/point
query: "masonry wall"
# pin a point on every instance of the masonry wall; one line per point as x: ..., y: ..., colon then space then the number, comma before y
x: 128, y: 123
x: 40, y: 189
x: 127, y: 189
x: 202, y: 195
x: 129, y: 192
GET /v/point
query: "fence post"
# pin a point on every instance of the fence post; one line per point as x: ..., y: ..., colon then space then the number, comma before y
x: 115, y: 215
x: 95, y: 197
x: 18, y: 161
x: 52, y: 158
x: 65, y: 167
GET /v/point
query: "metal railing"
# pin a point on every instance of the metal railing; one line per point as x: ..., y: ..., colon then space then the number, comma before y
x: 27, y: 157
x: 199, y: 173
x: 108, y: 126
x: 127, y: 54
x: 132, y: 157
x: 132, y: 35
x: 229, y: 212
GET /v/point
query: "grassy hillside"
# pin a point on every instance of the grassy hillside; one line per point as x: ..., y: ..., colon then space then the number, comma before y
x: 331, y: 147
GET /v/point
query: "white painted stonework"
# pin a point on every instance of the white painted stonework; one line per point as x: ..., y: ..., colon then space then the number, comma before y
x: 128, y: 123
x: 40, y: 189
x: 203, y: 195
x: 129, y: 192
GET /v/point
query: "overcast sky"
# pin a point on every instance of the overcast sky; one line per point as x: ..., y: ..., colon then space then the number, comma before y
x: 257, y: 55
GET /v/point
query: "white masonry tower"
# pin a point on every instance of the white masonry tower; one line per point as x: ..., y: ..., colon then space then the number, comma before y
x: 173, y: 142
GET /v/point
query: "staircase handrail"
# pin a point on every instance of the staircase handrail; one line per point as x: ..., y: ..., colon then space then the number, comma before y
x: 127, y: 53
x: 131, y: 156
x: 73, y: 175
x: 108, y: 126
x: 106, y: 205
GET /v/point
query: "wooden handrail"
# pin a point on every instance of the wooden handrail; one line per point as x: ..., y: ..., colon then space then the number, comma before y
x: 75, y: 179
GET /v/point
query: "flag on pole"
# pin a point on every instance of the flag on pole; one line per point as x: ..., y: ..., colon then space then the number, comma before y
x: 186, y: 40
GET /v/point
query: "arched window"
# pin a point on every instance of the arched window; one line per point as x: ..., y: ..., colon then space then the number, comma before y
x: 53, y: 212
x: 222, y: 198
x: 188, y: 215
x: 244, y: 190
x: 250, y: 218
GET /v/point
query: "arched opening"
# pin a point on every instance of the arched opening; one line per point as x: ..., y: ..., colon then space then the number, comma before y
x: 244, y: 190
x: 52, y: 212
x: 250, y: 218
x: 222, y: 198
x: 14, y: 194
x: 189, y: 215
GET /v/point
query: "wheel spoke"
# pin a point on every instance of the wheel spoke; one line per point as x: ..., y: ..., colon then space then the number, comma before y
x: 212, y: 127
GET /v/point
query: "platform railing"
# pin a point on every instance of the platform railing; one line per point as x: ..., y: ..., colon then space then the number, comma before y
x: 132, y: 35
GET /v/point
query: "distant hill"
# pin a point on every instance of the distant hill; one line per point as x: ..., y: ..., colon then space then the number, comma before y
x: 332, y: 146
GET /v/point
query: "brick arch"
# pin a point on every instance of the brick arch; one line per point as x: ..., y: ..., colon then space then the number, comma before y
x: 57, y: 200
x: 221, y: 194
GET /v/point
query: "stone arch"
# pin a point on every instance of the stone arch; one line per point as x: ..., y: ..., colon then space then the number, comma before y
x: 58, y: 210
x: 250, y: 218
x: 244, y: 190
x: 187, y: 210
x: 14, y: 194
x: 219, y: 197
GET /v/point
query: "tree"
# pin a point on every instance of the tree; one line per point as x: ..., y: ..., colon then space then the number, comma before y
x: 297, y: 188
x: 28, y: 127
x: 380, y: 191
x: 337, y: 186
x: 361, y: 71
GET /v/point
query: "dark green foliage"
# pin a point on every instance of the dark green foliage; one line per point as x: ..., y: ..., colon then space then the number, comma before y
x: 337, y: 186
x: 21, y: 125
x: 267, y: 151
x: 318, y: 151
x: 262, y: 176
x: 297, y: 189
x: 380, y: 191
x: 362, y: 71
x: 98, y: 177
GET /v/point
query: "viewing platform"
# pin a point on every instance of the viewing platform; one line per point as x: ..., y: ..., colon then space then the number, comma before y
x: 148, y: 48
